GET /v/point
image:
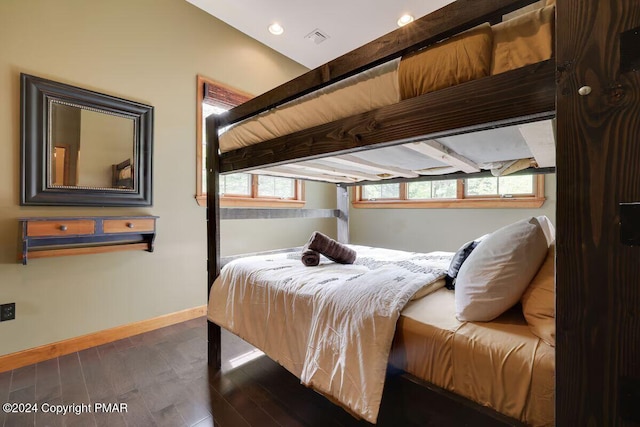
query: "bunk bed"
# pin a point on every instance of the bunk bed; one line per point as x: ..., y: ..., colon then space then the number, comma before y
x: 434, y: 124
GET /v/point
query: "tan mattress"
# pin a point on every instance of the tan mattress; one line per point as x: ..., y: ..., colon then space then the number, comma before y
x: 363, y: 92
x: 476, y: 53
x: 499, y: 364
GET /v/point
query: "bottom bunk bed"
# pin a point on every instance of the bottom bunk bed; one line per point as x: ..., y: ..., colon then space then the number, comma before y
x: 336, y: 327
x: 499, y: 364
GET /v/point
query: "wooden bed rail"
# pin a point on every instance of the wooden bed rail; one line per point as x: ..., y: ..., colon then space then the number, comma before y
x: 253, y: 213
x: 341, y: 214
x: 438, y: 25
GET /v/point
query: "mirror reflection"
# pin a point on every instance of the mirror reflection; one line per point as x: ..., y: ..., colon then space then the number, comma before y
x: 90, y: 148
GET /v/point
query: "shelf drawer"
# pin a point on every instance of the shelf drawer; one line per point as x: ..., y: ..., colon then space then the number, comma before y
x: 61, y: 228
x: 128, y: 225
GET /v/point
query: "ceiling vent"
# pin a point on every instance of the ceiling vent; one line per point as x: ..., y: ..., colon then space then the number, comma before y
x: 317, y: 36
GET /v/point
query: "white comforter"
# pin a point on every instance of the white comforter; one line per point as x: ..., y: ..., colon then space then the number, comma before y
x: 331, y: 325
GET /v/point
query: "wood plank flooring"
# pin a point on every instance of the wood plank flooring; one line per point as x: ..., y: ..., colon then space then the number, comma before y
x: 163, y: 378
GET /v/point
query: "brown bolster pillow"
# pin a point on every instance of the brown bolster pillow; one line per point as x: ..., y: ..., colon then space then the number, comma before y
x: 464, y: 57
x: 331, y: 249
x: 310, y: 258
x: 523, y: 40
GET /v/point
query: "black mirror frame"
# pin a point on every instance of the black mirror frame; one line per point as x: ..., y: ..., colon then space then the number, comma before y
x: 36, y: 94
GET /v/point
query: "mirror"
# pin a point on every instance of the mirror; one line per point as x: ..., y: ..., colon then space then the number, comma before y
x: 86, y: 148
x: 83, y: 148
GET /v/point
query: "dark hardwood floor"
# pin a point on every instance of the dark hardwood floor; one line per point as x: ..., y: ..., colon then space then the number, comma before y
x: 163, y: 378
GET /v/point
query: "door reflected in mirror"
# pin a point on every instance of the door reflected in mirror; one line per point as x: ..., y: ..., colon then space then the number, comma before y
x: 90, y: 148
x: 61, y: 167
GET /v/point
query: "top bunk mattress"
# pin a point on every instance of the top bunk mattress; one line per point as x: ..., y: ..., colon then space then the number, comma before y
x: 482, y: 51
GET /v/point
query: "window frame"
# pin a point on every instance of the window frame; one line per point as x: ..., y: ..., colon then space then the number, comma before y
x: 535, y: 200
x: 233, y: 201
x: 242, y: 200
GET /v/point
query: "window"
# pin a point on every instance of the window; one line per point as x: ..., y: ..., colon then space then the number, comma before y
x: 239, y: 189
x: 516, y: 191
x: 244, y: 189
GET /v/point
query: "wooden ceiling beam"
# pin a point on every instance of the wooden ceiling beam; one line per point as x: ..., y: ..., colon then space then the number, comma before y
x: 297, y: 174
x: 437, y: 151
x: 440, y: 170
x: 351, y: 160
x: 540, y: 139
x: 329, y: 170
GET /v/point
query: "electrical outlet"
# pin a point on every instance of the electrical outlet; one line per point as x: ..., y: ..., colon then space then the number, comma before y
x: 7, y: 311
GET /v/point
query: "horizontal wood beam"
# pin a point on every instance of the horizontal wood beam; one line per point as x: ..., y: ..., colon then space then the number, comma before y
x: 349, y: 160
x: 438, y: 25
x: 457, y: 175
x: 439, y: 170
x: 518, y: 96
x: 435, y: 150
x: 288, y: 172
x: 331, y: 170
x: 509, y: 168
x: 252, y: 213
x: 540, y: 139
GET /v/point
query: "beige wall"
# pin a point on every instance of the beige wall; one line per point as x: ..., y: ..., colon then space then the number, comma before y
x: 242, y: 236
x: 148, y: 51
x: 425, y: 230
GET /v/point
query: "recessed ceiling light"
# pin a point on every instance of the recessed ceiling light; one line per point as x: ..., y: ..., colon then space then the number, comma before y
x: 276, y: 29
x: 404, y: 20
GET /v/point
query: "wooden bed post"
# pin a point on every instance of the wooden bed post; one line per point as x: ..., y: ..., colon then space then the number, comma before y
x: 213, y: 233
x: 342, y: 193
x: 598, y: 170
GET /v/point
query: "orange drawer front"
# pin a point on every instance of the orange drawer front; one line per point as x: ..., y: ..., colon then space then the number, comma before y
x: 61, y: 228
x: 128, y: 225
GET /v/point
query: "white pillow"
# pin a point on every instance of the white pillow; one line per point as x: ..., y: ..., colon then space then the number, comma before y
x: 495, y: 275
x: 547, y: 228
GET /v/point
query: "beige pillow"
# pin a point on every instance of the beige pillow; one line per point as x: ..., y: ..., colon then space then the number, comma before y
x: 499, y: 269
x: 523, y: 40
x: 539, y: 301
x: 459, y: 59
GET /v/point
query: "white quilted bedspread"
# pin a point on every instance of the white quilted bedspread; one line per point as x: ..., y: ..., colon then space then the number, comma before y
x: 330, y: 325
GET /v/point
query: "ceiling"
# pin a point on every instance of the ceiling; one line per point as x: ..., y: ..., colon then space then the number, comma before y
x: 347, y: 23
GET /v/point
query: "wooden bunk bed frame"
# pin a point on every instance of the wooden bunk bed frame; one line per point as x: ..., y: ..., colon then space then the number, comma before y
x: 598, y: 168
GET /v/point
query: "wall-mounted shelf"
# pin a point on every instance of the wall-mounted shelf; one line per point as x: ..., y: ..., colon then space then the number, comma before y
x: 43, y: 237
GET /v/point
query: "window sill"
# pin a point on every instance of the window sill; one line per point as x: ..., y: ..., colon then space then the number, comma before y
x: 236, y: 202
x: 485, y: 203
